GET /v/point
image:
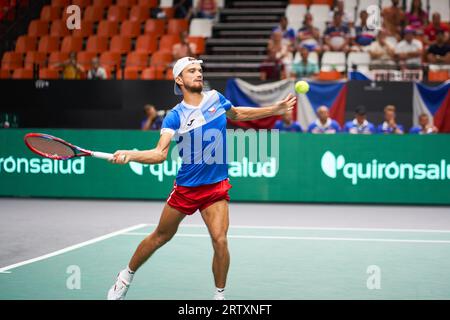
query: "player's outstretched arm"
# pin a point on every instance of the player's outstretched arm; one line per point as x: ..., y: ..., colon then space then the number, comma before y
x: 153, y: 156
x: 249, y: 113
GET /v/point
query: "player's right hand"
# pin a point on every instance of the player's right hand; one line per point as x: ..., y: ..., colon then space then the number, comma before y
x: 121, y: 157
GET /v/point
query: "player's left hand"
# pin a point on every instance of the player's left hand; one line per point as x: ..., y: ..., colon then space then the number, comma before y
x: 121, y: 157
x: 285, y: 105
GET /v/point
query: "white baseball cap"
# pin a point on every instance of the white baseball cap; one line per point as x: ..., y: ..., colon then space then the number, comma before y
x: 179, y: 66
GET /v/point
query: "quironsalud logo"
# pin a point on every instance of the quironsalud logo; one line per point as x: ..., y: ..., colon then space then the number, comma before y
x: 375, y: 170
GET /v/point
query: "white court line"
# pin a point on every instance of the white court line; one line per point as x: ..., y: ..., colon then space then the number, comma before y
x: 320, y: 228
x: 197, y: 235
x: 76, y: 246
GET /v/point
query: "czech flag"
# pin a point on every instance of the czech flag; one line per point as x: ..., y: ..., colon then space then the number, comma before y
x: 434, y: 101
x: 330, y: 94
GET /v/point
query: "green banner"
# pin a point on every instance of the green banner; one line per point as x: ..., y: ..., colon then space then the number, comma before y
x: 409, y: 169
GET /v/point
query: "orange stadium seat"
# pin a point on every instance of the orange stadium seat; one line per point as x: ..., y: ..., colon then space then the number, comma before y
x: 148, y: 73
x: 48, y: 44
x: 102, y: 3
x: 139, y: 13
x: 48, y: 74
x: 35, y: 58
x: 438, y: 75
x: 72, y: 43
x: 148, y: 3
x: 60, y: 3
x: 176, y: 26
x: 5, y: 74
x: 167, y: 41
x: 169, y: 74
x: 55, y: 58
x: 86, y: 30
x: 97, y: 44
x: 147, y: 43
x: 93, y: 13
x: 137, y: 60
x: 25, y: 44
x: 130, y: 29
x: 38, y: 28
x: 85, y: 58
x: 131, y: 73
x: 155, y: 26
x: 305, y: 2
x: 50, y: 13
x: 12, y: 60
x: 22, y: 73
x: 120, y: 44
x: 329, y: 75
x: 126, y: 3
x: 199, y: 44
x: 58, y: 28
x: 161, y: 59
x: 110, y: 60
x: 107, y: 28
x: 117, y: 13
x: 82, y: 3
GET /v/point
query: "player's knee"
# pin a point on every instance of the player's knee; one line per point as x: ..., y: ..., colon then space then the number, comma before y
x: 220, y: 242
x: 163, y: 237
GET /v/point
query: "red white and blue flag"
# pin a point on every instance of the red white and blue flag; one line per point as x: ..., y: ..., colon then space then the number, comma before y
x: 331, y: 94
x: 434, y: 101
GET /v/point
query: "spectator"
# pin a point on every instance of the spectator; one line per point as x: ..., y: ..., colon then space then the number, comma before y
x: 183, y: 9
x: 308, y: 35
x: 96, y: 72
x: 305, y: 67
x: 381, y: 51
x: 337, y: 35
x: 339, y: 8
x: 359, y: 125
x: 409, y: 50
x: 439, y: 53
x: 206, y: 9
x: 287, y: 124
x: 71, y: 68
x: 288, y: 33
x: 283, y: 50
x: 389, y: 126
x: 324, y: 124
x: 424, y: 127
x: 183, y: 48
x: 153, y: 120
x: 393, y: 19
x: 363, y: 35
x: 417, y: 17
x: 272, y: 68
x: 432, y: 29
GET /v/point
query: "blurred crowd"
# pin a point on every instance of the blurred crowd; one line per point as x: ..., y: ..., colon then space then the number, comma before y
x: 405, y: 40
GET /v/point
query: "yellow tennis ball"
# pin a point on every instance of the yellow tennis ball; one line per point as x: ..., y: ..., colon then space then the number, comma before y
x: 301, y: 87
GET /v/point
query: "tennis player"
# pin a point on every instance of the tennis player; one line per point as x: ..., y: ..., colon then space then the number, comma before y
x: 202, y: 181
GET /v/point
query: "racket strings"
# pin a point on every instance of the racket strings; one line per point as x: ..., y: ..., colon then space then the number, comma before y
x: 50, y: 147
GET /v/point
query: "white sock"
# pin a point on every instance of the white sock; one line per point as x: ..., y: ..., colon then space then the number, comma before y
x: 127, y: 274
x: 220, y: 291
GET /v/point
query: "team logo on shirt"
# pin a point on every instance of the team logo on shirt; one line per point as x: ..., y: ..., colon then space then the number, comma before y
x: 212, y: 109
x: 190, y: 123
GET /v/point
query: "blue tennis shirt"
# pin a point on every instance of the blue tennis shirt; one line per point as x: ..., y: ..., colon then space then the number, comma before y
x: 200, y: 134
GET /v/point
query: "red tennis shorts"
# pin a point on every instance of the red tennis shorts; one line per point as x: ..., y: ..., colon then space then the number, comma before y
x: 190, y: 199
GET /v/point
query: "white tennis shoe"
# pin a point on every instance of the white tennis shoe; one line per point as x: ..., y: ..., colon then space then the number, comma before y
x: 119, y: 290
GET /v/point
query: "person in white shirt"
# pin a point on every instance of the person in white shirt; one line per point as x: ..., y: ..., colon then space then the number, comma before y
x: 409, y: 51
x: 347, y: 19
x: 96, y: 72
x: 381, y: 52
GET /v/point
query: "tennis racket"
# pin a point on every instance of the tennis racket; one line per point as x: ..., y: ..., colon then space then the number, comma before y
x: 55, y: 148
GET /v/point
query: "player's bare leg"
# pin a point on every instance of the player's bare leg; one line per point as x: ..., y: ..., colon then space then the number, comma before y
x: 166, y: 229
x: 217, y: 221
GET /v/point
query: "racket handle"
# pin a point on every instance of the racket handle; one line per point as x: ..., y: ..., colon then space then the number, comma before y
x: 102, y: 155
